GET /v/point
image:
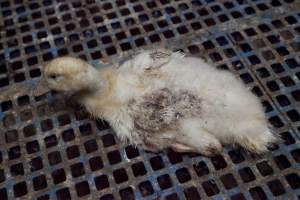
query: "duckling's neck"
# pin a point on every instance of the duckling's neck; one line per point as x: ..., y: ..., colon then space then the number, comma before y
x: 101, y: 82
x: 99, y: 97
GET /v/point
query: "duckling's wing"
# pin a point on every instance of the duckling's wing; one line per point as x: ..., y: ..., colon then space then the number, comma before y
x: 149, y: 60
x: 157, y: 115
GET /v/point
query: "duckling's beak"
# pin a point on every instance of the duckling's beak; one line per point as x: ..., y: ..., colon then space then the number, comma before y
x: 41, y: 88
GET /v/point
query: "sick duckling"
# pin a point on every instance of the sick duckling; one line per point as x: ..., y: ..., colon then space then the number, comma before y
x: 161, y: 99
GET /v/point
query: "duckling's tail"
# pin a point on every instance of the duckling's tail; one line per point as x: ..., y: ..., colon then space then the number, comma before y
x: 257, y: 139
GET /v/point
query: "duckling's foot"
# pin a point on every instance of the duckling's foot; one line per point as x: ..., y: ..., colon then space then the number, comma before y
x: 212, y: 150
x: 151, y: 149
x: 182, y: 148
x: 200, y: 138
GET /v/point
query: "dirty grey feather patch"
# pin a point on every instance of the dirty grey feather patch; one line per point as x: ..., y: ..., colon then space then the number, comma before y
x: 161, y: 110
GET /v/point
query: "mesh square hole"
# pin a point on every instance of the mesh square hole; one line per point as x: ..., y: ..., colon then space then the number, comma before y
x: 293, y: 115
x: 17, y: 169
x: 3, y: 193
x: 264, y: 168
x: 174, y: 157
x: 68, y: 135
x: 14, y: 152
x: 6, y: 105
x: 77, y: 170
x: 246, y: 174
x: 254, y: 60
x: 263, y: 72
x: 58, y: 176
x: 258, y: 193
x: 127, y: 194
x: 108, y: 140
x: 2, y: 176
x: 138, y: 169
x: 85, y: 129
x: 96, y: 163
x: 219, y: 162
x: 46, y: 125
x: 63, y: 194
x: 276, y: 121
x: 173, y: 196
x: 43, y: 197
x: 114, y: 157
x: 191, y: 193
x: 8, y: 120
x: 132, y: 152
x: 183, y: 175
x: 238, y: 196
x: 273, y: 86
x: 287, y: 81
x: 90, y: 146
x: 107, y: 197
x: 140, y: 42
x: 296, y: 155
x: 63, y: 119
x: 82, y: 188
x: 201, y: 169
x: 276, y: 187
x: 23, y: 100
x: 288, y: 138
x: 20, y: 189
x: 120, y: 175
x: 101, y: 182
x: 39, y: 182
x: 26, y: 115
x: 36, y: 164
x: 283, y: 100
x: 282, y: 51
x: 157, y: 163
x: 293, y: 180
x: 73, y: 152
x: 32, y: 147
x: 54, y: 158
x: 228, y: 181
x: 146, y: 188
x: 50, y: 141
x: 210, y: 188
x: 277, y: 68
x: 282, y: 162
x: 296, y: 95
x: 292, y: 63
x: 11, y: 136
x: 164, y: 181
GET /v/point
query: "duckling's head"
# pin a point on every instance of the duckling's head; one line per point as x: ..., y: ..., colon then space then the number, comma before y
x: 66, y: 74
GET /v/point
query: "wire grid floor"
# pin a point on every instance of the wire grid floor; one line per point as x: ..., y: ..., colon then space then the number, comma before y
x: 51, y: 149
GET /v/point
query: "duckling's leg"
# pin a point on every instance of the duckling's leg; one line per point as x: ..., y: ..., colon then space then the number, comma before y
x: 158, y: 142
x: 204, y: 142
x: 200, y: 139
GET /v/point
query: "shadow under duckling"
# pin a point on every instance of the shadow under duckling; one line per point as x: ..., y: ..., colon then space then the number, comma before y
x: 161, y: 99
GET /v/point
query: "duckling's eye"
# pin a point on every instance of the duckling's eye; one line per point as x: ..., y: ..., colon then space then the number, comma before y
x: 53, y: 76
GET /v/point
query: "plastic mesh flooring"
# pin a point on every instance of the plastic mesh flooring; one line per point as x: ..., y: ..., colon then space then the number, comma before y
x: 51, y: 149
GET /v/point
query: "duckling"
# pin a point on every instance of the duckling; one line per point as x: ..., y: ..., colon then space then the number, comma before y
x: 162, y: 99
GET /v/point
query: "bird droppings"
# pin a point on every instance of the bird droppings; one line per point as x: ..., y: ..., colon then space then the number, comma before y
x: 34, y: 32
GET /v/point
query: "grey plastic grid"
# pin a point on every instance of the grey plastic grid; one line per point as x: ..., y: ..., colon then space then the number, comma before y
x: 50, y: 149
